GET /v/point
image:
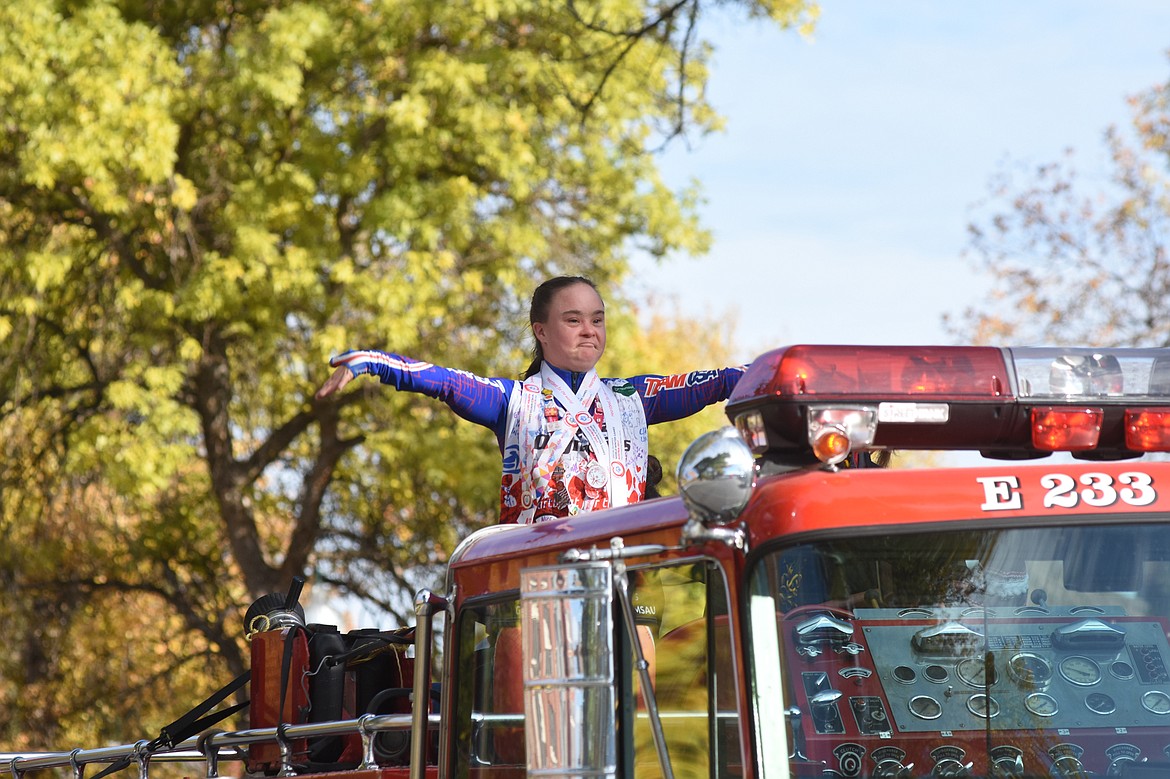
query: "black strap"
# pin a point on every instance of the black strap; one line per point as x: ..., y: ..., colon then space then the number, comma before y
x: 286, y: 671
x: 203, y: 723
x: 375, y: 644
x: 290, y: 603
x: 198, y: 719
x: 194, y: 721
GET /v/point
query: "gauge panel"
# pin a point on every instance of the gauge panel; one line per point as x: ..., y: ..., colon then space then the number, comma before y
x: 1014, y: 671
x: 926, y: 687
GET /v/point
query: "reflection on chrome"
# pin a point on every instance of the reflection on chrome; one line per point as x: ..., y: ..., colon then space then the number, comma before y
x: 716, y: 476
x: 568, y: 669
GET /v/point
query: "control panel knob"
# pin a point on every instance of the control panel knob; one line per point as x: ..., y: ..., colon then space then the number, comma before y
x: 1119, y: 764
x: 948, y: 766
x: 826, y: 717
x: 825, y: 699
x: 850, y: 764
x: 1008, y: 767
x: 1068, y: 766
x: 894, y: 769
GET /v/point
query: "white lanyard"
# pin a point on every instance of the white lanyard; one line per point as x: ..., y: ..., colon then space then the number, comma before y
x: 610, y: 453
x: 608, y: 449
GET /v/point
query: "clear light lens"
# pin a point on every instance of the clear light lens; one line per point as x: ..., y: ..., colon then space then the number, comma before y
x: 751, y: 429
x: 1147, y: 430
x: 1086, y: 374
x: 1066, y: 429
x: 1061, y: 374
x: 1160, y: 376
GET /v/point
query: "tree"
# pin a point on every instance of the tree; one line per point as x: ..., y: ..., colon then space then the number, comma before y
x: 1076, y: 268
x: 199, y: 203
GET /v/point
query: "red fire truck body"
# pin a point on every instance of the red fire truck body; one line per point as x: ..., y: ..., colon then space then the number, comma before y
x: 803, y: 611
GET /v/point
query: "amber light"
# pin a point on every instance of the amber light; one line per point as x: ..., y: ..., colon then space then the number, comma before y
x: 831, y: 445
x: 1066, y: 429
x: 1147, y: 430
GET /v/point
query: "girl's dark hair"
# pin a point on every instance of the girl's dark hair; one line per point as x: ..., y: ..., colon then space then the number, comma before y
x: 542, y: 298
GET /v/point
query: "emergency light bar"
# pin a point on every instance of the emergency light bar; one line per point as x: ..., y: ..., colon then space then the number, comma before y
x: 830, y: 401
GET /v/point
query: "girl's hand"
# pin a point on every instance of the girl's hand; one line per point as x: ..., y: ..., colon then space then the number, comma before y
x: 335, y: 383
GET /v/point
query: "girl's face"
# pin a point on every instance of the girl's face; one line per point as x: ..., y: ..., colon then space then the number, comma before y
x: 573, y: 336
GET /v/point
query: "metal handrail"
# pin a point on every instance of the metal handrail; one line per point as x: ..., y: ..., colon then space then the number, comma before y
x: 207, y: 746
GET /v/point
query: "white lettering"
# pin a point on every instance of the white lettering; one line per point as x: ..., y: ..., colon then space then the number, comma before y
x: 1138, y: 489
x: 1061, y: 490
x: 1099, y: 491
x: 1001, y: 493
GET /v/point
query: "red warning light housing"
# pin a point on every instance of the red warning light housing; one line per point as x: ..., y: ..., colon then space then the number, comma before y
x: 1147, y: 429
x: 899, y: 371
x: 1006, y: 402
x: 1066, y: 429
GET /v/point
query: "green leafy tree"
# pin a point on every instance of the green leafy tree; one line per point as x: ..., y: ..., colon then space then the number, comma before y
x: 1071, y: 266
x: 199, y: 203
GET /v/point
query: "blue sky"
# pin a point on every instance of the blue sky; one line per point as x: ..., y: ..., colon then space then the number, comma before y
x: 840, y: 193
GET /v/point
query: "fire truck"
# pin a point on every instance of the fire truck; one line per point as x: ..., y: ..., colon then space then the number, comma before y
x: 800, y: 610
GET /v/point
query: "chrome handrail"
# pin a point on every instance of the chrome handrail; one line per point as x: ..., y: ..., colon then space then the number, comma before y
x: 206, y: 747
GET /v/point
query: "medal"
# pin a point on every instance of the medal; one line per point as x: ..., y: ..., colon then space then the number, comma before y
x: 595, y: 475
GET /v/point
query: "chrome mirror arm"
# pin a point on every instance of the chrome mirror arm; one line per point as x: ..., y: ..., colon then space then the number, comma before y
x: 695, y: 531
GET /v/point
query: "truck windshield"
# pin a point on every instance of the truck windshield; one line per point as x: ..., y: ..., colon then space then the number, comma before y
x: 1010, y: 652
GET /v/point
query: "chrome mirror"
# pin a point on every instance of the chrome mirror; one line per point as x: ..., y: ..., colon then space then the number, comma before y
x: 716, y: 476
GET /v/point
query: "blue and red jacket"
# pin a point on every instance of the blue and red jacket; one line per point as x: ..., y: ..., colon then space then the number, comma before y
x: 484, y: 401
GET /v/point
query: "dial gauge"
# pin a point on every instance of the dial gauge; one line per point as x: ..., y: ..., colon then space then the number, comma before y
x: 1156, y: 701
x: 1041, y: 704
x: 925, y: 707
x: 1030, y: 670
x: 1100, y: 703
x: 1080, y: 670
x: 975, y: 672
x: 983, y: 706
x: 936, y: 673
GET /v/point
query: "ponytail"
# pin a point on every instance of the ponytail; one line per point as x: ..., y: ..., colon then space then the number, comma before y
x: 534, y: 366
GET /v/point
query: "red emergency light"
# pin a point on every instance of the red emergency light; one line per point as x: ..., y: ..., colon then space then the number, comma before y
x: 895, y: 371
x: 1066, y: 429
x: 1147, y: 429
x: 831, y: 400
